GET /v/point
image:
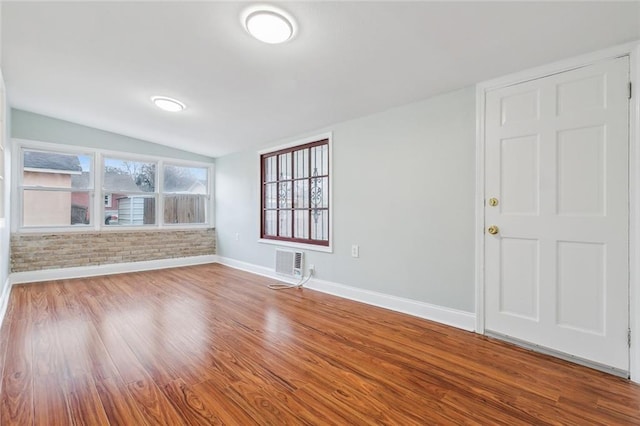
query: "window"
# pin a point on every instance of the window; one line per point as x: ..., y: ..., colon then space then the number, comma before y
x: 56, y: 188
x: 132, y: 187
x: 185, y: 194
x: 295, y: 194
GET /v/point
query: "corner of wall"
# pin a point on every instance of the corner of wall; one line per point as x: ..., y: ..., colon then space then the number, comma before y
x: 634, y: 288
x: 5, y: 229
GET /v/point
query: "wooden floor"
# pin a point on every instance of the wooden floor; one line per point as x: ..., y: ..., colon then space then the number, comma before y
x: 212, y: 345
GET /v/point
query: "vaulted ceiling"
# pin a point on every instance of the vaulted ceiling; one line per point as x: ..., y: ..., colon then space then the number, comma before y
x: 98, y: 63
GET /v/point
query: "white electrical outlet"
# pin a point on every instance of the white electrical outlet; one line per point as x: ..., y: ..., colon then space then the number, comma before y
x: 355, y: 250
x: 312, y: 269
x: 237, y: 236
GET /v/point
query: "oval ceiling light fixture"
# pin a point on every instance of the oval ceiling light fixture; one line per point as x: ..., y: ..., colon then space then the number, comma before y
x: 168, y: 104
x: 269, y: 25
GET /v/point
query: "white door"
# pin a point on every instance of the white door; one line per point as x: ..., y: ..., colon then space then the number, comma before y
x: 556, y: 163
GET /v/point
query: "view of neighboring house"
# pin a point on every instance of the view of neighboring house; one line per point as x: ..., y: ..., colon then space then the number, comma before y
x: 53, y: 205
x: 58, y: 193
x: 111, y: 200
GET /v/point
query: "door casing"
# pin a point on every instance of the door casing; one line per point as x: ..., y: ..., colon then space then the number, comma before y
x: 633, y: 51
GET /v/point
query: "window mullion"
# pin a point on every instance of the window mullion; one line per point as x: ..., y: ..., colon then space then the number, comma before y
x: 293, y: 193
x: 308, y: 183
x: 278, y: 195
x: 159, y: 190
x: 263, y: 191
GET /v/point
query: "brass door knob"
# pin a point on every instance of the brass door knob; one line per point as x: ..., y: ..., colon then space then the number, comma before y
x: 493, y: 230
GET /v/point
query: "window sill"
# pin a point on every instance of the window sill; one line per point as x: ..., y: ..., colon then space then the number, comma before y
x: 301, y: 246
x: 110, y: 229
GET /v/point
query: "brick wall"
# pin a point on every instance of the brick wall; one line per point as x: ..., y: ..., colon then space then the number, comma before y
x: 31, y: 252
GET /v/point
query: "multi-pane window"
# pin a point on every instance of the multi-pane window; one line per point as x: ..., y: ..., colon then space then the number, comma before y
x: 132, y: 187
x: 295, y: 194
x: 56, y: 188
x: 59, y: 188
x: 185, y: 194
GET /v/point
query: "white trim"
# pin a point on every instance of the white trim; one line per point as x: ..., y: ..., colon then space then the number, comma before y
x: 479, y: 210
x: 441, y: 314
x: 634, y: 216
x: 305, y: 140
x: 560, y: 66
x: 254, y: 269
x: 114, y: 268
x: 302, y: 141
x: 633, y: 50
x: 75, y: 149
x: 98, y: 156
x: 302, y: 246
x: 4, y: 300
x: 452, y: 317
x: 54, y: 171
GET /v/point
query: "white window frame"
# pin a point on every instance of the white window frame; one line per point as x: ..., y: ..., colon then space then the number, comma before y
x: 19, y: 187
x: 207, y: 196
x: 302, y: 246
x: 155, y: 194
x: 97, y: 193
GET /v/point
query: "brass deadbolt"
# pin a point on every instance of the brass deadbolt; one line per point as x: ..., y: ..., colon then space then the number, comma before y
x: 493, y: 202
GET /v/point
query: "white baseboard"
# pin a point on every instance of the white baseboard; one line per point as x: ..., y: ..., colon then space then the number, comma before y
x: 441, y: 314
x: 453, y: 317
x: 444, y: 315
x: 4, y: 300
x: 114, y: 268
x: 254, y: 269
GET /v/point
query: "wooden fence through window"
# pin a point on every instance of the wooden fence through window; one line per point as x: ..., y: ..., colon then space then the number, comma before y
x: 188, y: 208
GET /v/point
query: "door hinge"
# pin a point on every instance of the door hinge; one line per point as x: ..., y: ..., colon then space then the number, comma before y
x: 629, y: 337
x: 630, y: 90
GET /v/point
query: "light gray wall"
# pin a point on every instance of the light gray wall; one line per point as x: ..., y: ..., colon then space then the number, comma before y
x: 0, y: 33
x: 28, y: 125
x: 5, y: 231
x: 403, y: 190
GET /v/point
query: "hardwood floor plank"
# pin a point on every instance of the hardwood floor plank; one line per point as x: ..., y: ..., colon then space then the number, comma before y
x: 4, y: 342
x: 157, y: 358
x: 119, y: 352
x: 85, y: 406
x: 189, y: 404
x: 120, y: 408
x: 153, y: 403
x: 212, y: 345
x: 17, y: 376
x: 50, y: 403
x: 217, y: 401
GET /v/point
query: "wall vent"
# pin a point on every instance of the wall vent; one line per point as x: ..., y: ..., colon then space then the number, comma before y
x: 289, y: 263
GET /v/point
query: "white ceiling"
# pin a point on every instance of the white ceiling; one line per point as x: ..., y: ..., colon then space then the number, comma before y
x: 98, y: 63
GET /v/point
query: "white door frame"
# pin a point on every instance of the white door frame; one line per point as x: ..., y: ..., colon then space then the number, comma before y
x: 633, y: 50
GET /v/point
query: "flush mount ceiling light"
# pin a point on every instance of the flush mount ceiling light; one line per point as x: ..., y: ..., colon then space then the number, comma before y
x: 269, y: 26
x: 168, y: 104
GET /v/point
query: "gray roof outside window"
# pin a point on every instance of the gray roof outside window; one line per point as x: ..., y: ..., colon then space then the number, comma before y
x: 51, y: 161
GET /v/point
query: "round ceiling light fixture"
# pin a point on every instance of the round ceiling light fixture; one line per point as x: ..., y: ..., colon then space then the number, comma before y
x: 168, y: 104
x: 269, y: 26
